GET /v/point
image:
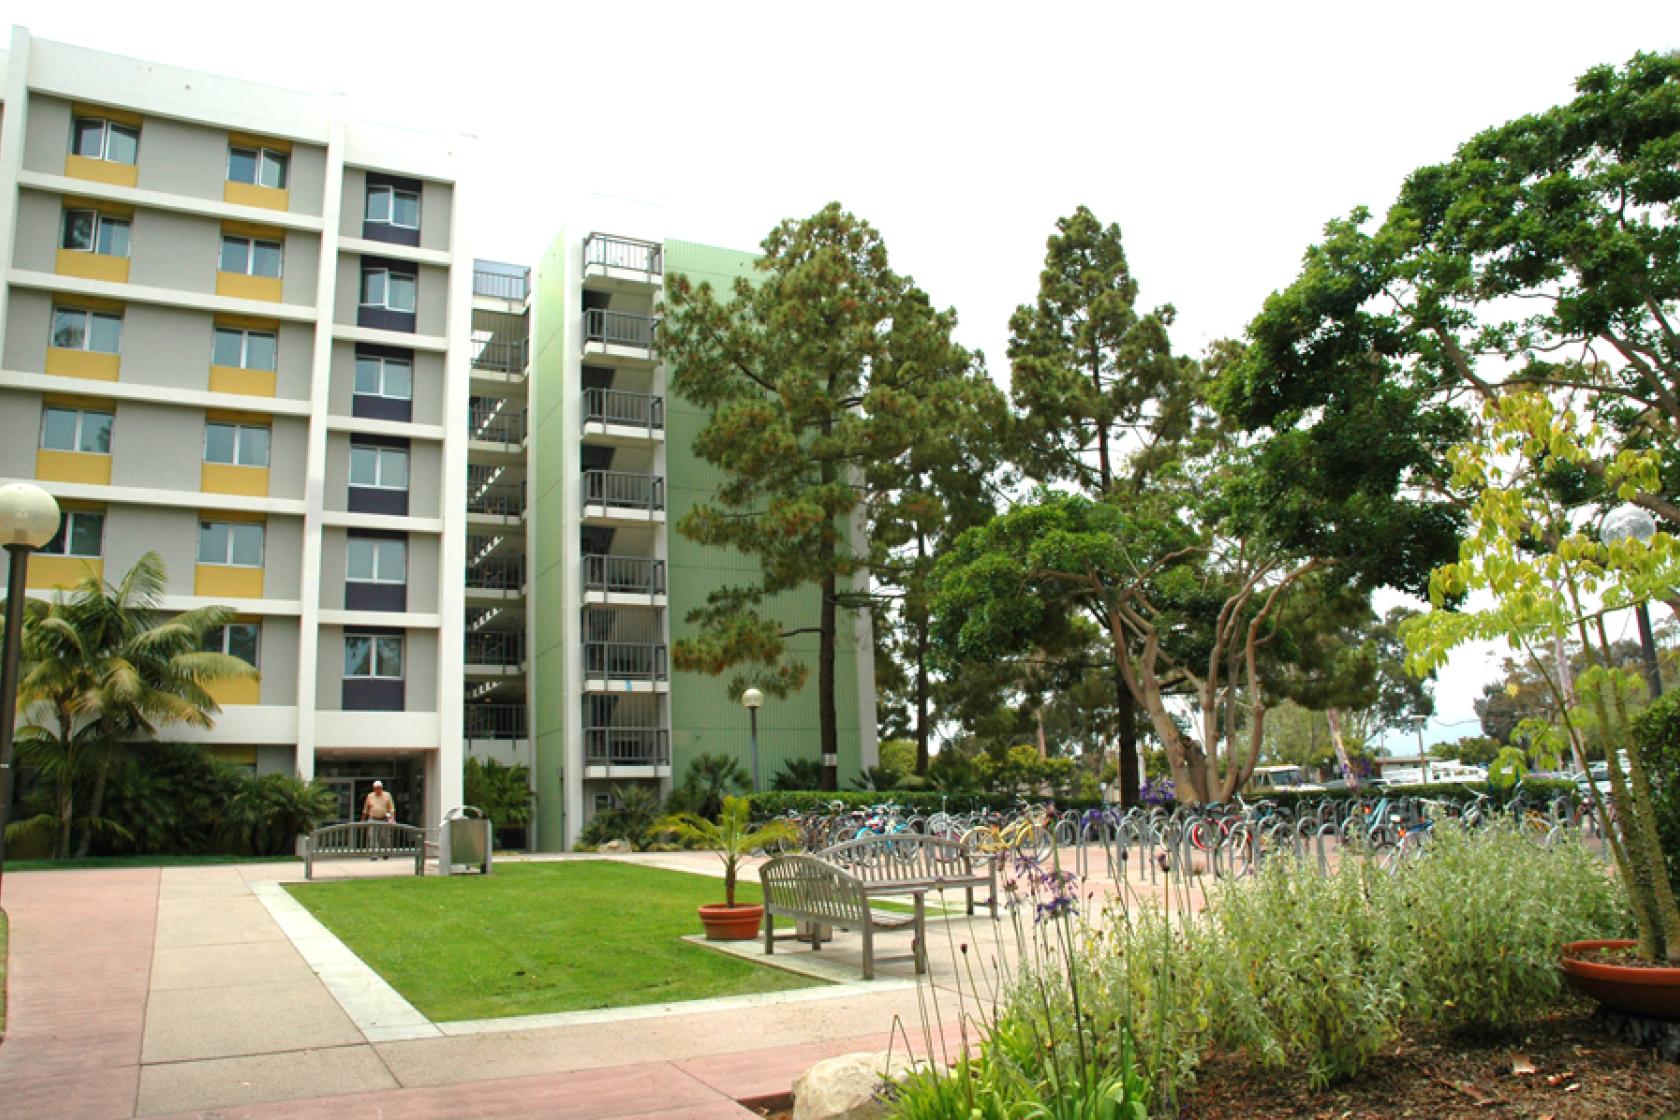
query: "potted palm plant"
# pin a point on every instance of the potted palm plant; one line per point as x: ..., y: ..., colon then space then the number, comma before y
x: 733, y: 838
x: 1551, y: 578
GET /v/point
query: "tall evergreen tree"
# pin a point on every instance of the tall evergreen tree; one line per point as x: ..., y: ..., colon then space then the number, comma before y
x: 1103, y: 401
x: 820, y: 374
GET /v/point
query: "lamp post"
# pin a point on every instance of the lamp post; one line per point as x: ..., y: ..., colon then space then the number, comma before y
x: 28, y: 520
x: 1630, y: 521
x: 752, y: 700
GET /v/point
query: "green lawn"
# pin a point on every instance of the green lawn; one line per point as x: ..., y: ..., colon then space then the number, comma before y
x: 539, y: 937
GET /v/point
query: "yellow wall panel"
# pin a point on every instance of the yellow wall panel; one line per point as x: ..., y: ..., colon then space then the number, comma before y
x: 83, y: 363
x: 251, y: 382
x: 249, y: 194
x: 92, y: 266
x: 223, y: 581
x: 236, y: 692
x: 224, y: 478
x: 62, y: 571
x: 239, y: 286
x: 102, y: 171
x: 72, y: 466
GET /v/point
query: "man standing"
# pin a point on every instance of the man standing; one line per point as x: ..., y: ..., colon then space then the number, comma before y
x: 378, y: 806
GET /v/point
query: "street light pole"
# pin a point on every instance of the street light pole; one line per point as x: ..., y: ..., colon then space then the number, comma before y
x: 752, y: 699
x: 1630, y: 521
x: 28, y: 519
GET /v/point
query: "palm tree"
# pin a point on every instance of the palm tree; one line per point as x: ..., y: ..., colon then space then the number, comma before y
x: 102, y: 667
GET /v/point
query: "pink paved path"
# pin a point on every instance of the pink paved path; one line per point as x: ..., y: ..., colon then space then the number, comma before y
x: 81, y: 953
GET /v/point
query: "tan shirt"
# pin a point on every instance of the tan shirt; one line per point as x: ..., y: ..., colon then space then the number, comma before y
x: 378, y: 806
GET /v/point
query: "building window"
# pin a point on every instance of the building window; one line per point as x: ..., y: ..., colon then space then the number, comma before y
x: 236, y: 543
x: 393, y: 291
x: 72, y: 429
x: 75, y: 329
x: 89, y: 231
x: 392, y: 206
x: 260, y: 167
x: 238, y: 445
x: 236, y: 639
x: 244, y: 349
x: 107, y: 140
x: 381, y: 468
x: 373, y: 656
x: 249, y: 256
x: 79, y: 534
x: 376, y: 560
x: 392, y: 378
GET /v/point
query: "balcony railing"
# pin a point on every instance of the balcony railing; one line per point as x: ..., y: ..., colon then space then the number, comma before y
x: 623, y: 252
x: 623, y: 490
x: 496, y: 575
x: 493, y: 721
x: 624, y: 661
x: 501, y: 285
x: 500, y: 357
x: 630, y: 410
x: 495, y: 649
x: 496, y: 425
x: 620, y: 328
x: 627, y: 575
x: 626, y: 746
x: 498, y: 501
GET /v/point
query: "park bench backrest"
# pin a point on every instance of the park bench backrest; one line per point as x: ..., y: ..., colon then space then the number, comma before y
x: 813, y: 889
x: 362, y: 837
x: 904, y: 858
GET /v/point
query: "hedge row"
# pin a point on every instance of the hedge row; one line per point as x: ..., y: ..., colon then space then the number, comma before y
x: 776, y: 802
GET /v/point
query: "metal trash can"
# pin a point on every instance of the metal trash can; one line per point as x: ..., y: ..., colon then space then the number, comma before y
x: 464, y: 841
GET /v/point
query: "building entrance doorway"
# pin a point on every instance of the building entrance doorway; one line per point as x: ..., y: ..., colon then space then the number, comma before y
x: 351, y: 780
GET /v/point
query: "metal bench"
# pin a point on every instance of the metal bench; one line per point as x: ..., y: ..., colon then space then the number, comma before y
x: 908, y: 862
x: 365, y: 840
x: 812, y: 890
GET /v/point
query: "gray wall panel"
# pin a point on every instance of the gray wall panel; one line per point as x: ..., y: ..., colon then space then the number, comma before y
x: 158, y: 447
x: 297, y: 356
x: 20, y: 432
x: 132, y: 531
x: 276, y: 759
x: 337, y: 470
x: 332, y: 567
x: 434, y: 301
x: 39, y: 219
x: 177, y: 251
x: 46, y: 140
x: 420, y: 670
x: 283, y: 558
x: 436, y: 202
x: 306, y: 178
x: 288, y: 455
x: 425, y: 478
x: 342, y: 384
x: 298, y: 271
x: 354, y: 204
x: 28, y: 325
x: 349, y: 287
x: 183, y: 158
x: 423, y: 573
x: 279, y: 659
x: 167, y: 346
x: 429, y: 385
x: 329, y: 674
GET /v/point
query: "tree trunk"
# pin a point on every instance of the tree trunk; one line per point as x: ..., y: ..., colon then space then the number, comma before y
x: 827, y: 709
x: 1333, y: 717
x: 96, y: 804
x: 1125, y: 714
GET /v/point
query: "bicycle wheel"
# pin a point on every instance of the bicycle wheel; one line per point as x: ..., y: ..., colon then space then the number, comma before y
x: 1034, y: 842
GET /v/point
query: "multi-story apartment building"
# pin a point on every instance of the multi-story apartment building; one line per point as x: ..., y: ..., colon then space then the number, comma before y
x: 235, y: 330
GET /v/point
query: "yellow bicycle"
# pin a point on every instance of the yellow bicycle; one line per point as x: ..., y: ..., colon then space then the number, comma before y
x: 1028, y: 835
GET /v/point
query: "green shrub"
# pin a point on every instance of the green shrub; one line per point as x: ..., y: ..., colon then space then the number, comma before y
x: 1486, y: 914
x: 1656, y: 734
x: 1304, y: 969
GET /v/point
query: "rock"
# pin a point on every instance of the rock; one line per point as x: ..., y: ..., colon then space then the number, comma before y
x: 616, y: 847
x: 845, y: 1088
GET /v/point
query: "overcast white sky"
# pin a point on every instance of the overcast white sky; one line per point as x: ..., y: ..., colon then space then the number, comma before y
x: 1219, y: 136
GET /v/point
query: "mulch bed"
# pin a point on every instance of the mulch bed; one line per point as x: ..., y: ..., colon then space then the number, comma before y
x: 1579, y: 1073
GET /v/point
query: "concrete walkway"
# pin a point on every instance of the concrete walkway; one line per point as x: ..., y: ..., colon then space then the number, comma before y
x: 199, y: 991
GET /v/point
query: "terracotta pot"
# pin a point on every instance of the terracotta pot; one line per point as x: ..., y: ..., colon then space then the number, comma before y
x: 1652, y: 992
x: 731, y: 923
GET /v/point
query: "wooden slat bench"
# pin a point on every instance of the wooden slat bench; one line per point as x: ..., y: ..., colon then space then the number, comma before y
x: 906, y: 863
x: 813, y: 890
x: 365, y: 840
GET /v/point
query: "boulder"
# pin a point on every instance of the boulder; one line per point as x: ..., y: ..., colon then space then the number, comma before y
x: 845, y: 1088
x: 616, y: 847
